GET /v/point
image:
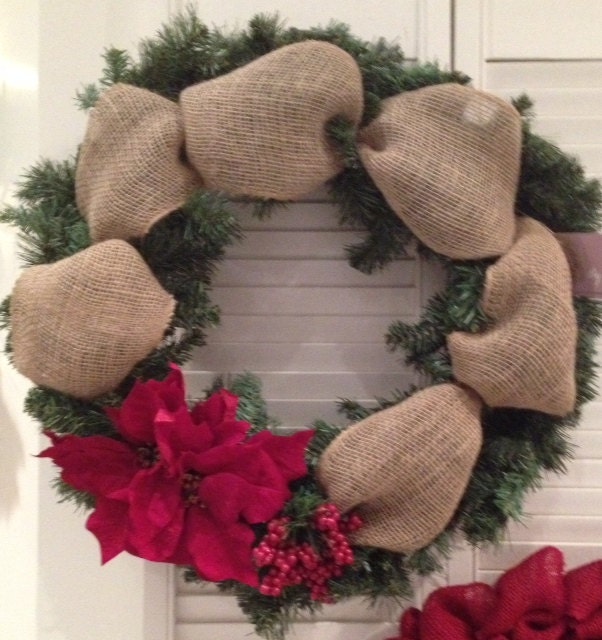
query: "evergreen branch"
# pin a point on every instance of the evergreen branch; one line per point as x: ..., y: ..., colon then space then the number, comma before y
x: 589, y: 321
x: 5, y: 313
x: 118, y: 65
x: 47, y: 232
x: 344, y: 135
x: 48, y: 182
x: 376, y: 573
x: 264, y: 34
x: 263, y: 208
x: 181, y: 54
x: 325, y: 433
x: 83, y: 501
x: 187, y: 245
x: 360, y: 203
x: 353, y: 410
x: 271, y: 616
x: 252, y: 407
x: 87, y: 96
x: 554, y: 190
x: 67, y: 415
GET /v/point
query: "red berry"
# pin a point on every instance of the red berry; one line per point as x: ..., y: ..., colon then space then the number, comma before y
x: 273, y: 539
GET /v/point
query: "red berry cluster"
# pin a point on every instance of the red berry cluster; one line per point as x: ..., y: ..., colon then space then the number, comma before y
x: 290, y: 563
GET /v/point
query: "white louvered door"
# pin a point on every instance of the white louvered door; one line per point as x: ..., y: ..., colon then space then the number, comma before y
x: 551, y: 50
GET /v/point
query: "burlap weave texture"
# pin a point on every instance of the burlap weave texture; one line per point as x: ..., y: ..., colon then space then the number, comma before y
x: 526, y: 359
x: 80, y: 325
x: 447, y: 160
x: 405, y: 469
x: 130, y: 171
x: 261, y: 129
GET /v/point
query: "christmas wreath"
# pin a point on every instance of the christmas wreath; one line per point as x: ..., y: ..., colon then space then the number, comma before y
x: 122, y: 243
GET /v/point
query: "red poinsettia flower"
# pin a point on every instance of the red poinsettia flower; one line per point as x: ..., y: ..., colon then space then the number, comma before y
x: 182, y: 486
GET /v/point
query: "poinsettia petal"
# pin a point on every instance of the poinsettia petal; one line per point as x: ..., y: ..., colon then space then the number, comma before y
x: 218, y: 412
x: 156, y: 513
x: 288, y: 452
x: 221, y: 405
x: 540, y: 625
x: 175, y: 433
x: 250, y: 463
x: 181, y: 556
x: 96, y: 464
x: 109, y: 523
x: 135, y: 417
x: 213, y: 460
x: 230, y: 497
x: 218, y: 552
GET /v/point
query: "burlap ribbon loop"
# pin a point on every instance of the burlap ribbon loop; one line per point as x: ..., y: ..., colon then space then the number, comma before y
x: 447, y: 160
x: 261, y: 130
x: 526, y: 359
x: 80, y: 325
x: 405, y: 469
x: 445, y: 157
x: 130, y: 171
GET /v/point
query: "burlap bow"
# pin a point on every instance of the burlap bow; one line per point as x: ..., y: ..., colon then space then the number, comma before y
x: 405, y: 469
x: 81, y: 324
x: 526, y: 359
x: 446, y: 157
x: 130, y: 170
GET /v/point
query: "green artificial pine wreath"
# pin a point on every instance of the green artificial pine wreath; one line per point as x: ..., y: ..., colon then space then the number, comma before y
x: 183, y: 251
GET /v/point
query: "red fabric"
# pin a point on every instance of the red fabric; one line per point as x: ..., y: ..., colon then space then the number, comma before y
x: 456, y: 613
x: 530, y: 600
x: 409, y: 627
x: 533, y: 601
x: 584, y: 609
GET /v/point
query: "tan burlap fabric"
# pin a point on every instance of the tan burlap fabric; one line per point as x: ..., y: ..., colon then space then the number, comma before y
x: 527, y: 358
x: 81, y: 324
x: 130, y: 172
x: 447, y: 160
x: 260, y: 130
x: 405, y: 469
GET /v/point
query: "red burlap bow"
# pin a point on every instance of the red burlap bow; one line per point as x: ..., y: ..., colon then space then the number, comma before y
x: 535, y: 600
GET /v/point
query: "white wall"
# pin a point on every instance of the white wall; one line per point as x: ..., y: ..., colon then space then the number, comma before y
x: 18, y: 471
x: 53, y: 587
